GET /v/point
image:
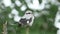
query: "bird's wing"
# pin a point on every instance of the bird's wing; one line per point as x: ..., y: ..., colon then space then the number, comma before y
x: 23, y: 21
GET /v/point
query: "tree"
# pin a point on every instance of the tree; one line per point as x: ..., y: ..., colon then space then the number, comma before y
x: 44, y: 18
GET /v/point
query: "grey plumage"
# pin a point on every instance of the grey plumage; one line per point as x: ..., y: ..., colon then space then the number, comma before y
x: 24, y: 21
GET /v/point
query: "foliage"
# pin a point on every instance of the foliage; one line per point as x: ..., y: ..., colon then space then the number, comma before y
x: 38, y: 26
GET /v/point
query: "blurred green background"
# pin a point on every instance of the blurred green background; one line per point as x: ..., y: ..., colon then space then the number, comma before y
x: 41, y: 25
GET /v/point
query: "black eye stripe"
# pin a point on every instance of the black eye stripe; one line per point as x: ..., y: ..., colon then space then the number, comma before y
x: 28, y: 13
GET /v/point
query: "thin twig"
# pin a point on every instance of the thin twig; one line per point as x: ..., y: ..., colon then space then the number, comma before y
x: 27, y: 30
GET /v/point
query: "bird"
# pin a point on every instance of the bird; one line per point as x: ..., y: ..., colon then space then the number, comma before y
x: 27, y: 19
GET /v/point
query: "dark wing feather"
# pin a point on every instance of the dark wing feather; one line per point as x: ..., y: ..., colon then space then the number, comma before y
x: 29, y: 20
x: 23, y: 21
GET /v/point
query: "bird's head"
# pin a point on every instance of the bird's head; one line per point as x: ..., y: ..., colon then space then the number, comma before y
x: 28, y: 12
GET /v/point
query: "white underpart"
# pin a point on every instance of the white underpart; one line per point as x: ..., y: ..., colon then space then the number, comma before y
x: 14, y: 11
x: 7, y: 3
x: 17, y: 18
x: 30, y: 24
x: 23, y: 8
x: 18, y: 3
x: 32, y: 21
x: 57, y: 18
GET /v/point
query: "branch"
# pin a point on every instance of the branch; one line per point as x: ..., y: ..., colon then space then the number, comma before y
x: 5, y: 28
x: 27, y: 30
